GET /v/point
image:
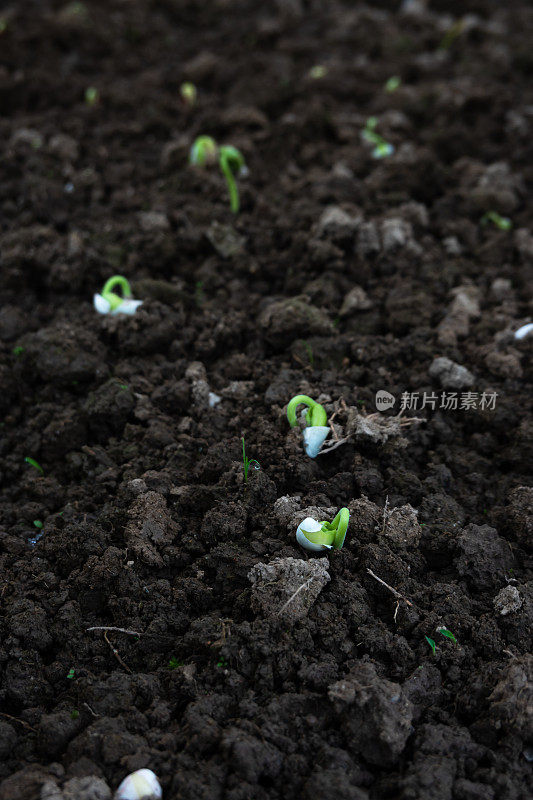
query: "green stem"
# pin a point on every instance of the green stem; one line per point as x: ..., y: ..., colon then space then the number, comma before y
x: 113, y: 299
x: 231, y: 161
x: 316, y: 416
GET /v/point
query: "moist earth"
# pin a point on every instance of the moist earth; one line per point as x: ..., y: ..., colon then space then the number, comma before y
x: 237, y: 666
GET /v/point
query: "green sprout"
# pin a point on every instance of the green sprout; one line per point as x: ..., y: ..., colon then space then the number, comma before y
x: 108, y: 302
x: 503, y: 223
x: 392, y: 84
x: 204, y: 151
x: 17, y: 351
x: 222, y: 662
x: 431, y: 643
x: 314, y: 535
x: 92, y: 95
x: 231, y: 161
x: 3, y: 25
x: 318, y: 71
x: 382, y: 148
x: 174, y: 663
x: 247, y: 463
x: 188, y: 93
x: 447, y: 633
x: 315, y: 416
x: 71, y: 673
x: 38, y: 523
x: 316, y: 431
x: 35, y: 464
x: 74, y: 714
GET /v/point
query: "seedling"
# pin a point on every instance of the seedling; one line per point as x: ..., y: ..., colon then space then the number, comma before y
x: 392, y: 84
x: 188, y: 93
x: 38, y: 523
x: 17, y: 351
x: 247, y: 463
x: 382, y: 148
x: 316, y: 430
x: 110, y: 303
x: 318, y: 536
x: 74, y: 714
x: 318, y: 71
x: 174, y: 663
x: 222, y: 662
x: 92, y: 95
x: 204, y: 151
x: 3, y: 25
x: 503, y: 223
x: 231, y: 161
x: 448, y: 634
x: 71, y: 673
x: 431, y: 643
x: 35, y: 464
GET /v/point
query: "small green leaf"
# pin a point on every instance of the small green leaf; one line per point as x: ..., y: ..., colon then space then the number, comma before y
x: 392, y: 84
x: 38, y: 523
x: 35, y: 464
x: 447, y: 633
x: 431, y: 644
x: 70, y: 673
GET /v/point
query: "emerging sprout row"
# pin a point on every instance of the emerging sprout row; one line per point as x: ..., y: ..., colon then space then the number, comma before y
x: 206, y: 152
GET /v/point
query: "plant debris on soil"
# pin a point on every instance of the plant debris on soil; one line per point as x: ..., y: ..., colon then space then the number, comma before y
x: 163, y: 615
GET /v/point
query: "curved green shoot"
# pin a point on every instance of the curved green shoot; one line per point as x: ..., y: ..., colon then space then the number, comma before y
x: 113, y: 299
x: 231, y: 163
x: 203, y: 151
x: 35, y: 464
x: 316, y: 415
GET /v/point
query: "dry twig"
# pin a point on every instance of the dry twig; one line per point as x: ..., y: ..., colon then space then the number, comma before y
x: 20, y: 721
x: 116, y: 654
x: 390, y: 588
x: 112, y: 628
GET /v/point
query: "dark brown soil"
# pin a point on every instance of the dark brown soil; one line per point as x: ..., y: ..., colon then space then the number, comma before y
x: 147, y: 522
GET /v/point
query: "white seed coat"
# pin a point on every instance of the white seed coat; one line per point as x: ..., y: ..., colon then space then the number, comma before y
x: 524, y: 331
x: 128, y: 306
x: 311, y: 525
x: 314, y: 438
x: 140, y: 785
